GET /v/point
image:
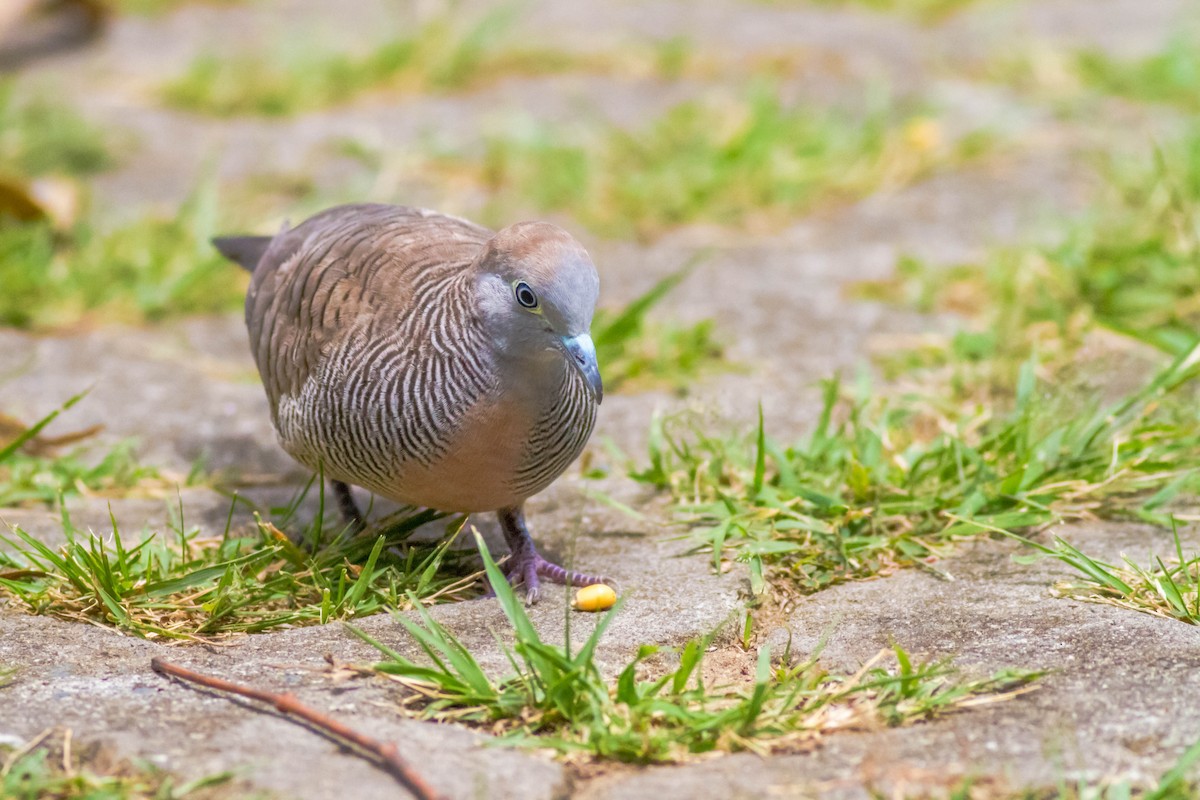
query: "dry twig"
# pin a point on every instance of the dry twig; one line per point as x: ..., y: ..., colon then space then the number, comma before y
x: 385, y: 754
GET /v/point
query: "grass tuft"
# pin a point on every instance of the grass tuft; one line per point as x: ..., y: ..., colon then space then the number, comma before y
x: 153, y: 8
x: 1128, y: 268
x: 51, y: 767
x: 925, y: 11
x: 558, y: 697
x: 443, y: 55
x: 188, y: 587
x: 636, y: 351
x: 1168, y: 588
x: 142, y: 271
x: 1171, y: 76
x: 38, y: 137
x: 880, y: 485
x: 32, y: 471
x: 752, y: 163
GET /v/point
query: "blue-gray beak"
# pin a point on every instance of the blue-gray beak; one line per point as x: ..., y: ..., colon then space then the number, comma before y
x: 581, y: 352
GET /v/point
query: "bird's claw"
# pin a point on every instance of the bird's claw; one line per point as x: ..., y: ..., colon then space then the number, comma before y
x: 529, y: 569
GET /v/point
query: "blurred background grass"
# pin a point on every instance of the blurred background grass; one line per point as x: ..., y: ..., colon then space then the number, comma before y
x: 131, y: 131
x: 736, y: 147
x: 630, y: 136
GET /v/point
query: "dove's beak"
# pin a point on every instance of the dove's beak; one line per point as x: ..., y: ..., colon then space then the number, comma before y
x: 581, y: 352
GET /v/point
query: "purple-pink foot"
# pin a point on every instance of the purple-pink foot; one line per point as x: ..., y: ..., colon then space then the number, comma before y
x: 529, y: 571
x: 526, y: 566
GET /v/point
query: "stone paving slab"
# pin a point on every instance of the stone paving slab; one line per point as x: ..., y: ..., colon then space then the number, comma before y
x: 1116, y: 705
x: 94, y: 680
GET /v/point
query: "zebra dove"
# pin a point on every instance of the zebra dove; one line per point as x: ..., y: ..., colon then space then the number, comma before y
x: 428, y: 359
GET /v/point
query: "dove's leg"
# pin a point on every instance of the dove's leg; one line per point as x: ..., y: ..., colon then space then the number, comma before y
x: 526, y: 565
x: 348, y: 508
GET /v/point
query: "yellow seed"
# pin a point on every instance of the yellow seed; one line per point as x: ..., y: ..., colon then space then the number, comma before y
x: 923, y: 134
x: 596, y: 597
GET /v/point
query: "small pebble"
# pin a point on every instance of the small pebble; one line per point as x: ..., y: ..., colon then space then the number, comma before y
x: 597, y: 597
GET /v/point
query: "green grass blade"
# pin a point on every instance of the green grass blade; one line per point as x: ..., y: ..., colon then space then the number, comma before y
x: 16, y: 444
x: 760, y: 457
x: 507, y: 598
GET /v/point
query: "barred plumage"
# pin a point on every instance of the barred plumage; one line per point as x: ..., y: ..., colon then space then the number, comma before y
x: 400, y: 352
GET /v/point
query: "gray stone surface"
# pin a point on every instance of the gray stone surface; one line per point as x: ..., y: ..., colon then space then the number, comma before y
x: 1115, y: 705
x: 1121, y: 697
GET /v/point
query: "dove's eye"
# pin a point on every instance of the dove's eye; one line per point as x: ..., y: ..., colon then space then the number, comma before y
x: 525, y: 296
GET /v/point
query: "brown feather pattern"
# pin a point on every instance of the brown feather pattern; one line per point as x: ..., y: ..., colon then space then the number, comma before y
x: 363, y: 322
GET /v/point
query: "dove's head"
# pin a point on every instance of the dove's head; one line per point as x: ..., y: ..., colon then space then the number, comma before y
x: 537, y: 292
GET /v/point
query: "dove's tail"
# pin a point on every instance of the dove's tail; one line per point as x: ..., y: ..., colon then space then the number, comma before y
x: 245, y: 251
